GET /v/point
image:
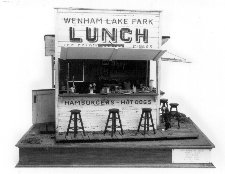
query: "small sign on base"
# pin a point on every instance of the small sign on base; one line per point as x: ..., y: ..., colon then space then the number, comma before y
x: 191, y: 155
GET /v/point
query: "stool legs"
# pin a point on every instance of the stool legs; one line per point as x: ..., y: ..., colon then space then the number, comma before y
x: 82, y: 124
x: 75, y: 128
x: 139, y: 125
x: 152, y: 123
x: 177, y: 115
x: 113, y: 118
x: 146, y: 116
x: 68, y: 127
x: 120, y: 123
x: 107, y: 122
x: 145, y: 123
x: 75, y: 125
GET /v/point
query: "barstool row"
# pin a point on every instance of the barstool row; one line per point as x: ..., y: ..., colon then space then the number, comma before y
x: 166, y: 114
x: 114, y: 115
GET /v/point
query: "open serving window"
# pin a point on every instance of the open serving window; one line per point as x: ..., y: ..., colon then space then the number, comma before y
x: 116, y: 69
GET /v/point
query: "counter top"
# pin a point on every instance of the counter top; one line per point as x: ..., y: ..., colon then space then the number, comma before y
x: 110, y: 94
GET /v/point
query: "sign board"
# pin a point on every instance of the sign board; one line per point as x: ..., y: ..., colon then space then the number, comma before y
x: 191, y: 155
x: 49, y: 45
x: 108, y: 28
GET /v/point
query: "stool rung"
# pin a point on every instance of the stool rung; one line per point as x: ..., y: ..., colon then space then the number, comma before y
x: 147, y: 126
x: 77, y: 128
x: 115, y: 126
x: 115, y: 118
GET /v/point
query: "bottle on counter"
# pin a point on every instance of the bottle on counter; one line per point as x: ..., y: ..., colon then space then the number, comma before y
x: 151, y: 85
x: 134, y: 89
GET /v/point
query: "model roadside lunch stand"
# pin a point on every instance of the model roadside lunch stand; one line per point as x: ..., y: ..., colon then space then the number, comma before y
x: 104, y: 103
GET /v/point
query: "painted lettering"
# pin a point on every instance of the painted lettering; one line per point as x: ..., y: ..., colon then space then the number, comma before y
x: 77, y: 102
x: 67, y: 102
x: 123, y: 102
x: 72, y: 36
x: 82, y: 102
x: 67, y: 20
x: 71, y: 103
x: 102, y: 102
x: 139, y: 35
x: 106, y: 102
x: 97, y: 102
x: 86, y: 21
x: 125, y: 36
x: 112, y: 36
x: 142, y: 21
x: 88, y: 35
x: 123, y: 31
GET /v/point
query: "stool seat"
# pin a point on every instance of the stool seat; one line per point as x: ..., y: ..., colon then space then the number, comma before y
x: 174, y: 104
x: 163, y: 100
x: 146, y: 109
x: 75, y: 111
x: 113, y: 110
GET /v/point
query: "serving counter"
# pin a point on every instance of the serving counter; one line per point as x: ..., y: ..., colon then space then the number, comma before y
x: 94, y: 109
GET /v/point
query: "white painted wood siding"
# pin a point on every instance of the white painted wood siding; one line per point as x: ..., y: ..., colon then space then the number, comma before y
x: 94, y: 111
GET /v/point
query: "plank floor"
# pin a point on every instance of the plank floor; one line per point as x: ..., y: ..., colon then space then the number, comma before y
x: 185, y: 132
x: 128, y: 135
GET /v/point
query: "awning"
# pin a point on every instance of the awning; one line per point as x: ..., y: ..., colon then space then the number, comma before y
x: 173, y: 58
x: 110, y: 53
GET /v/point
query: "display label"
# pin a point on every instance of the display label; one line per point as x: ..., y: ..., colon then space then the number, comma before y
x: 191, y: 155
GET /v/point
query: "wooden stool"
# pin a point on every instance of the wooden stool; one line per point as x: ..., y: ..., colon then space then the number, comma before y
x: 113, y: 111
x: 164, y: 103
x: 74, y: 113
x: 147, y: 112
x: 174, y: 106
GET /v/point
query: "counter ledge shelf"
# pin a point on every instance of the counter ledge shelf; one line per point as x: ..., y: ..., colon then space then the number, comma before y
x: 110, y: 94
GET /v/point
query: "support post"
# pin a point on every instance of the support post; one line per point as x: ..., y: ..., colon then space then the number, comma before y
x: 56, y: 75
x: 158, y: 84
x: 158, y: 72
x: 53, y: 69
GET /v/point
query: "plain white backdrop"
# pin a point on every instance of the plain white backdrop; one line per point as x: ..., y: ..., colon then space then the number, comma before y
x: 196, y: 28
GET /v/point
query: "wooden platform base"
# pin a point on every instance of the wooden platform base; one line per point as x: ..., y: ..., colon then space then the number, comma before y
x: 42, y: 150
